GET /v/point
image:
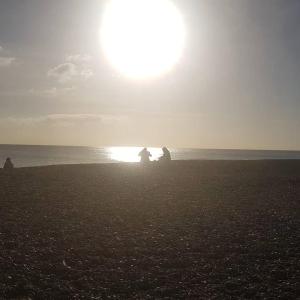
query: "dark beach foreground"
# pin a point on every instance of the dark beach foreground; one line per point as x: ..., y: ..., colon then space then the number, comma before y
x: 190, y: 230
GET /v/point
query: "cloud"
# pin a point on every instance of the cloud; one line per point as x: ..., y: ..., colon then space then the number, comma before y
x: 61, y: 129
x: 63, y: 72
x: 65, y: 119
x: 84, y: 118
x: 51, y: 92
x: 74, y: 117
x: 86, y: 73
x: 79, y: 58
x: 6, y: 61
x: 76, y: 67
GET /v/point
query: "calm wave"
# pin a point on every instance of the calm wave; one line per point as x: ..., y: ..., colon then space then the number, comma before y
x: 26, y: 156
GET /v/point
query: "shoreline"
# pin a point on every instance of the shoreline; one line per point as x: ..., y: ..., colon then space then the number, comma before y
x: 157, y: 163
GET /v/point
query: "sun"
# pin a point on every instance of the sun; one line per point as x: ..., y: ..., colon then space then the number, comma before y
x: 142, y: 38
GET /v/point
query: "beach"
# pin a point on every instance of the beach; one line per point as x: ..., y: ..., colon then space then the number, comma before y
x: 184, y: 230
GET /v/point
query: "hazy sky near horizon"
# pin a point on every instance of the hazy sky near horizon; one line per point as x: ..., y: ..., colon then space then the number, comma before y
x: 237, y: 84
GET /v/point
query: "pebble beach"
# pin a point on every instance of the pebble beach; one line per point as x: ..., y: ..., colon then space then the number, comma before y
x: 185, y: 230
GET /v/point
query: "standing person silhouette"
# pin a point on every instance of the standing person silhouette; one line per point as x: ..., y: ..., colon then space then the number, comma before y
x: 145, y: 156
x: 8, y: 165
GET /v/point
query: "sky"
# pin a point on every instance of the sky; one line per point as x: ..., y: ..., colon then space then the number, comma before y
x: 236, y: 86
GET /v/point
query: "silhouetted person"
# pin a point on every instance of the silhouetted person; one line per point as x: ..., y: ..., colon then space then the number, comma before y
x: 145, y: 156
x: 8, y: 165
x: 166, y: 157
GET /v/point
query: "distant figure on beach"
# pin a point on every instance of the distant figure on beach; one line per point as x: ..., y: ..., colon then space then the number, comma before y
x: 166, y: 157
x: 145, y: 156
x: 8, y: 165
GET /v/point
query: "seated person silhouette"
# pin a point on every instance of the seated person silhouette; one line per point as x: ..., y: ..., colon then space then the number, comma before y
x: 145, y: 156
x: 8, y: 165
x: 166, y: 157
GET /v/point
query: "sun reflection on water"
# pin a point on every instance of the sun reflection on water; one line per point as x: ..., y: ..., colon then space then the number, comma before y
x: 130, y: 154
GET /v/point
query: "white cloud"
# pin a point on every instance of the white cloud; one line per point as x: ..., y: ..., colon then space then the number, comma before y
x: 76, y: 118
x: 65, y: 119
x: 6, y: 61
x: 86, y: 73
x: 76, y: 67
x: 63, y: 72
x: 79, y: 58
x: 51, y: 92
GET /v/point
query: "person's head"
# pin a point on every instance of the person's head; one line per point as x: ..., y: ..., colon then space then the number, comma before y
x: 8, y: 159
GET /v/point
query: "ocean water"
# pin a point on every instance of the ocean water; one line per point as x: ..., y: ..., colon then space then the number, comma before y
x: 28, y: 156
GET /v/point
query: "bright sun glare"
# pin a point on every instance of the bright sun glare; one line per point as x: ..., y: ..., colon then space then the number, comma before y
x: 130, y: 154
x: 142, y: 38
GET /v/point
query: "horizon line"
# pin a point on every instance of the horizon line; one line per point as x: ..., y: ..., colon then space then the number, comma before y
x: 130, y: 146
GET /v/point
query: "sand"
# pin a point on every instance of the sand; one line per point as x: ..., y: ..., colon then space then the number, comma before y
x: 190, y: 230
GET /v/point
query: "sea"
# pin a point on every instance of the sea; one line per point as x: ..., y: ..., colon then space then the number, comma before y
x: 30, y: 156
